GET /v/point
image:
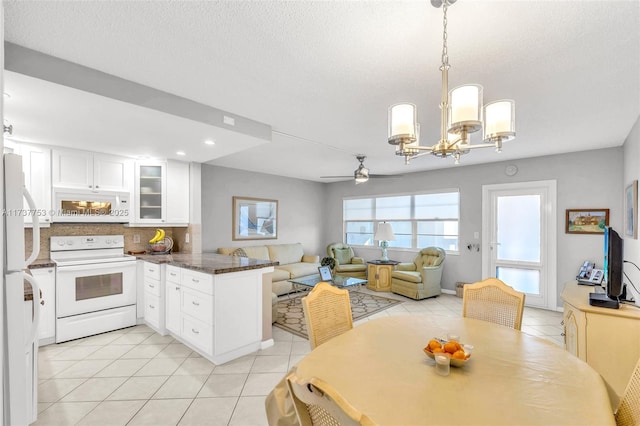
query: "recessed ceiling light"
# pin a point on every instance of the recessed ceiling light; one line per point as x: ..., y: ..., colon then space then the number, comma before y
x: 181, y: 153
x: 209, y: 142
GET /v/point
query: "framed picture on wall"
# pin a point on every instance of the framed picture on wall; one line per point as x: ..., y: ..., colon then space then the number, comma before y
x: 631, y: 210
x: 254, y: 219
x: 586, y: 221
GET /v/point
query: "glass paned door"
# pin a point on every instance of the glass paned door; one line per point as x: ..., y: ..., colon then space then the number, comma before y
x: 520, y: 239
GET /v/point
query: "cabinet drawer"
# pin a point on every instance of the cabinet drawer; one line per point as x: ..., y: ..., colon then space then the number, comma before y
x: 152, y: 287
x: 151, y: 270
x: 197, y: 281
x: 197, y: 333
x: 173, y: 274
x: 152, y: 309
x: 197, y: 305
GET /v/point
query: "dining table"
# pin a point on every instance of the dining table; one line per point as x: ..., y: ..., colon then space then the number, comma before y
x: 511, y: 378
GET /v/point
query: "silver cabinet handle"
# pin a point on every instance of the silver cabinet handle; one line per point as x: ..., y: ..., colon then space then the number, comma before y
x: 195, y: 331
x: 97, y: 187
x: 152, y: 286
x: 152, y: 307
x: 195, y: 303
x: 172, y: 274
x: 177, y: 288
x: 194, y: 280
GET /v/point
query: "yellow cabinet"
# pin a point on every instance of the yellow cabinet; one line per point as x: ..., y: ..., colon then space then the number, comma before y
x: 379, y: 275
x: 607, y: 339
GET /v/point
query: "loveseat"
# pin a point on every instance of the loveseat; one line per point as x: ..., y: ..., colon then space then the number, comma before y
x: 293, y: 262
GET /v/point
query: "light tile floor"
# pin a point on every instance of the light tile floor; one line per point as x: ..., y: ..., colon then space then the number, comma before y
x: 137, y: 377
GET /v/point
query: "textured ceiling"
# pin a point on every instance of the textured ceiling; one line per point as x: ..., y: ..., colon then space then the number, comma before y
x: 323, y: 74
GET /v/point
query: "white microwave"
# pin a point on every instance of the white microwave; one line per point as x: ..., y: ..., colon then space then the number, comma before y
x: 84, y: 207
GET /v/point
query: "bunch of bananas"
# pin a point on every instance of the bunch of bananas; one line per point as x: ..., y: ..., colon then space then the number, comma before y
x: 158, y: 237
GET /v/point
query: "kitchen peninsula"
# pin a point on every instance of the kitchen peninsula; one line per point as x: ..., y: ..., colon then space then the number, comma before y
x: 218, y: 305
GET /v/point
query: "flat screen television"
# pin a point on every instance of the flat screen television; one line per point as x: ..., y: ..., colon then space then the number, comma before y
x: 613, y: 262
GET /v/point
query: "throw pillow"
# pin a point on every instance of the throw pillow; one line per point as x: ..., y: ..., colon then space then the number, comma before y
x: 239, y: 253
x: 343, y: 255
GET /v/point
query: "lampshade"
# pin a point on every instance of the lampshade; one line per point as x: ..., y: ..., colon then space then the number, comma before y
x: 402, y: 122
x: 384, y: 232
x: 465, y: 103
x: 500, y: 120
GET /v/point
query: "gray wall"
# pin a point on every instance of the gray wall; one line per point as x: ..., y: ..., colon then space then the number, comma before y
x: 590, y: 179
x: 311, y: 212
x: 631, y: 173
x: 300, y: 207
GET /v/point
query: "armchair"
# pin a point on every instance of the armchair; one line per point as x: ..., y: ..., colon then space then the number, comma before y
x: 420, y: 279
x: 347, y: 264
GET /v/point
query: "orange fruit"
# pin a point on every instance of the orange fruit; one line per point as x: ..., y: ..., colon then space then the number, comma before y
x: 434, y: 344
x: 437, y: 350
x: 451, y: 347
x: 458, y: 355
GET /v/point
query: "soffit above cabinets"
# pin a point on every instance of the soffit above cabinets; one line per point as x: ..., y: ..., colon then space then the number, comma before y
x: 59, y: 103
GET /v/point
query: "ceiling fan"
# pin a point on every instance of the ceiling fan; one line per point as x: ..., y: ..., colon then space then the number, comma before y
x: 361, y: 174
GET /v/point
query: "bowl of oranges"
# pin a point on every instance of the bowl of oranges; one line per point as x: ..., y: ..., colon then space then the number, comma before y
x: 451, y: 348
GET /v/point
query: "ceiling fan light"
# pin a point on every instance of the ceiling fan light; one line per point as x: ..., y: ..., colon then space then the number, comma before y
x: 402, y: 123
x: 465, y: 103
x: 500, y: 120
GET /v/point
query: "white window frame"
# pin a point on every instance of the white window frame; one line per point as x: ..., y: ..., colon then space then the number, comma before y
x: 412, y: 219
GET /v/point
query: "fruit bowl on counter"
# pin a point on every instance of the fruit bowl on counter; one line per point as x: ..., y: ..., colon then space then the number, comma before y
x: 160, y: 243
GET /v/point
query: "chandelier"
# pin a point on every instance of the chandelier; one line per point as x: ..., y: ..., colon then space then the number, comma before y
x: 462, y: 113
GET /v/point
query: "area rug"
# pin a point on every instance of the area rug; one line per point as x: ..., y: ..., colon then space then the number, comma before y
x: 291, y: 317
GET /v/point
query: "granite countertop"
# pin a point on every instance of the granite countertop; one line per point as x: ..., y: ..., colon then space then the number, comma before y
x: 209, y: 263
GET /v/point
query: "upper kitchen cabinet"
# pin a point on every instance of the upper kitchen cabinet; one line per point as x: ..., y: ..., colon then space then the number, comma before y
x: 36, y: 165
x: 161, y: 193
x: 87, y: 170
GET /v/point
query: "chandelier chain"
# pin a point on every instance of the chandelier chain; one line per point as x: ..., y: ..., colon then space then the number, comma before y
x: 445, y: 53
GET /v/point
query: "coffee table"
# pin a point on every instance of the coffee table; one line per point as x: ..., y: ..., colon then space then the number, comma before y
x: 307, y: 283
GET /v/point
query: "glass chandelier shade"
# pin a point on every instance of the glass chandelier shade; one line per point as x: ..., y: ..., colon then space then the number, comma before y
x: 500, y: 120
x: 402, y: 123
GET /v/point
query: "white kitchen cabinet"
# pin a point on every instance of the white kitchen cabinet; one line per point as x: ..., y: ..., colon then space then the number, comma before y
x: 46, y: 278
x: 161, y: 193
x: 220, y: 315
x: 154, y: 310
x: 36, y: 165
x: 87, y: 170
x: 150, y: 193
x: 173, y: 299
x: 177, y: 192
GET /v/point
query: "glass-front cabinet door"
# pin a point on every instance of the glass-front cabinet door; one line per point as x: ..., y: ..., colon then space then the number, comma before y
x: 150, y: 192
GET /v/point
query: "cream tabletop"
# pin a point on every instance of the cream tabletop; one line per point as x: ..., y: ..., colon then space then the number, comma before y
x: 511, y: 379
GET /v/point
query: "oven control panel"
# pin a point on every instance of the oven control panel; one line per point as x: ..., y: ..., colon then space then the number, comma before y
x: 86, y: 242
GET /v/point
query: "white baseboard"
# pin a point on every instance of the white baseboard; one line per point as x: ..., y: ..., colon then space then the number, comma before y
x: 447, y: 291
x: 266, y: 344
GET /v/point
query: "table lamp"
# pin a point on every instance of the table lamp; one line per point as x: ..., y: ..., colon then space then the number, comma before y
x: 384, y: 234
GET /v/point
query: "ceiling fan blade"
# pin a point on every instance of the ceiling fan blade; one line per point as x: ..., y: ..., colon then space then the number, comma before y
x: 385, y: 176
x: 334, y: 177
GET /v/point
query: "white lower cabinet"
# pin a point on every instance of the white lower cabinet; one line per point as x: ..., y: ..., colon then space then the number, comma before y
x: 154, y: 309
x: 219, y: 316
x: 46, y: 278
x: 173, y: 300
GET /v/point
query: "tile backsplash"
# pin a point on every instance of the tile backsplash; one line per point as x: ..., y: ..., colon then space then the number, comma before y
x: 61, y: 229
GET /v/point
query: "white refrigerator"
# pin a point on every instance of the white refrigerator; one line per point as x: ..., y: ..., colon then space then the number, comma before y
x: 20, y: 320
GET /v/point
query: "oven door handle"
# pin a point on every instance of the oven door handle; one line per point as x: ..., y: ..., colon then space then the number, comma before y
x: 33, y: 335
x: 95, y: 266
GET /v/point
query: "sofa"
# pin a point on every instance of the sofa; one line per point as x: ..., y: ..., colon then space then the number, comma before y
x: 293, y: 262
